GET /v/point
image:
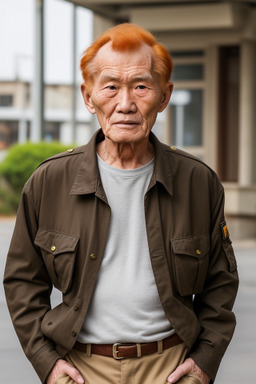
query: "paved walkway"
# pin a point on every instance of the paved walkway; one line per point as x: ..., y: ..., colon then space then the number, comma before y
x: 238, y: 365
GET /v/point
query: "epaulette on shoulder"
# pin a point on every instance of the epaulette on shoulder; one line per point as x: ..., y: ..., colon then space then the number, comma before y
x: 179, y: 152
x: 67, y: 153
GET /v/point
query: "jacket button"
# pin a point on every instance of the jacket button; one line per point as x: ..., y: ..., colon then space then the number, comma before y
x: 198, y: 251
x: 76, y: 307
x: 93, y: 256
x: 53, y: 248
x: 73, y: 333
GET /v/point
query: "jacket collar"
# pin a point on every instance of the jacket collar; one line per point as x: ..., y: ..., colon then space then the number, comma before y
x: 163, y: 166
x: 87, y: 179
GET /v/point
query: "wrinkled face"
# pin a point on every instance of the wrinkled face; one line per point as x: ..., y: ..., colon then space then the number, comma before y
x: 126, y: 94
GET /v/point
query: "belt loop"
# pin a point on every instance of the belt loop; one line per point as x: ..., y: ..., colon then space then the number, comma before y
x: 160, y: 346
x: 138, y: 350
x: 88, y: 350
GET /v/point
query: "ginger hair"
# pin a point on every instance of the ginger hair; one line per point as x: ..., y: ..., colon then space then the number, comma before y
x: 127, y: 37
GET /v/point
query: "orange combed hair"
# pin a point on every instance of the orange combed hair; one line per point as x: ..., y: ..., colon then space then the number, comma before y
x: 127, y: 37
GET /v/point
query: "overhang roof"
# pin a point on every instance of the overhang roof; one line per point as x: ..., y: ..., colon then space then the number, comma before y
x: 119, y: 10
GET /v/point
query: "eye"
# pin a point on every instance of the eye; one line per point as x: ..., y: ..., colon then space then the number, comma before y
x: 111, y: 87
x: 141, y: 87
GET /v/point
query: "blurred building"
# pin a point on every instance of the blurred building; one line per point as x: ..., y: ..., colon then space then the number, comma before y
x: 16, y: 114
x: 212, y: 112
x: 40, y: 96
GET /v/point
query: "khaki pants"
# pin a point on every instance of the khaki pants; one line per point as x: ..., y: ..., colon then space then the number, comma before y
x: 149, y: 369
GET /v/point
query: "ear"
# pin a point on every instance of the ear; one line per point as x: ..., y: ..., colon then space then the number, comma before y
x: 166, y: 96
x: 87, y: 99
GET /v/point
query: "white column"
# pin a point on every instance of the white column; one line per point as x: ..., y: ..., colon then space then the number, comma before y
x: 36, y: 133
x: 180, y: 114
x: 167, y: 125
x: 66, y: 134
x: 100, y: 25
x: 246, y: 123
x: 210, y: 113
x: 22, y: 131
x: 74, y: 71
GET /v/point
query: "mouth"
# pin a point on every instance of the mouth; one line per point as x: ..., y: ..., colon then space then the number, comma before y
x: 126, y: 123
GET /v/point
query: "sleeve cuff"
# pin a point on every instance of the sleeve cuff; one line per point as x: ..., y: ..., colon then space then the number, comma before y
x: 208, y: 359
x: 44, y: 361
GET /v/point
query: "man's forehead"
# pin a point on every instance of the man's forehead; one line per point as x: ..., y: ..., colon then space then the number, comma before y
x: 110, y: 59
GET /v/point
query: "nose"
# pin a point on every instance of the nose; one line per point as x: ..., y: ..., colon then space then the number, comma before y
x: 126, y: 103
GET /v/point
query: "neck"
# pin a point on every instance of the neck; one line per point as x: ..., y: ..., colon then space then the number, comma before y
x: 125, y: 155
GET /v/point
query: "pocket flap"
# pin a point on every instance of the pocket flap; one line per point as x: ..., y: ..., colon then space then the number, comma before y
x: 196, y: 246
x: 56, y: 242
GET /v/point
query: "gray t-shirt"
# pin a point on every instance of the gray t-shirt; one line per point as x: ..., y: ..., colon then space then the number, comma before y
x: 125, y: 306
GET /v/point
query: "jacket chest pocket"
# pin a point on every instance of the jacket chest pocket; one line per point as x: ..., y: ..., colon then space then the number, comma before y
x: 191, y: 259
x: 59, y: 254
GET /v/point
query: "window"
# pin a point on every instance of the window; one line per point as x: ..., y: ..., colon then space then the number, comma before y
x: 51, y: 131
x: 6, y: 100
x: 188, y: 72
x: 8, y: 133
x: 187, y: 117
x: 186, y: 105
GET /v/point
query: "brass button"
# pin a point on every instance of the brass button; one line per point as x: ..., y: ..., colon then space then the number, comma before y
x: 173, y: 148
x: 93, y: 256
x: 76, y: 307
x: 53, y: 248
x: 70, y: 150
x: 73, y: 333
x: 198, y: 251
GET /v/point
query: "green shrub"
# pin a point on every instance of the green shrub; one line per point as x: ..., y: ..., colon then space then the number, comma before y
x: 18, y: 165
x: 9, y: 201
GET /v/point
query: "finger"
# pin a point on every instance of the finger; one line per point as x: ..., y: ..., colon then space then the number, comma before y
x: 181, y: 371
x: 63, y: 367
x: 71, y: 371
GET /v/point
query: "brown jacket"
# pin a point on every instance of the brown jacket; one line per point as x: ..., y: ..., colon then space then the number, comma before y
x: 60, y: 235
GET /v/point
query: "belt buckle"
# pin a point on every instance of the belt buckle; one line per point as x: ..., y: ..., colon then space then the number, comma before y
x: 116, y: 351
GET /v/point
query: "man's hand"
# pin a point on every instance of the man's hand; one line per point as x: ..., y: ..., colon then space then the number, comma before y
x: 63, y: 367
x: 189, y: 366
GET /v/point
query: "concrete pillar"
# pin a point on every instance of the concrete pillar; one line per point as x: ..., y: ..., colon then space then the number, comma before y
x: 100, y: 25
x: 36, y: 133
x: 66, y: 134
x: 210, y: 130
x: 246, y: 123
x: 22, y: 131
x: 167, y: 124
x: 74, y: 85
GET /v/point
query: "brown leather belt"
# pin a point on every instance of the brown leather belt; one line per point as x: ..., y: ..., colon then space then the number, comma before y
x: 123, y: 351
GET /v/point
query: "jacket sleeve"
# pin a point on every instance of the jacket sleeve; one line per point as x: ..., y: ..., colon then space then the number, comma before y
x: 213, y: 306
x: 28, y: 288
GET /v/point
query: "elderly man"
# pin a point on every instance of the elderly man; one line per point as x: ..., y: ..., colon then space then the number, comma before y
x: 131, y: 231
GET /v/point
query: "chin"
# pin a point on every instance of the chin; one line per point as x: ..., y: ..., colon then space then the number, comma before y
x: 127, y: 136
